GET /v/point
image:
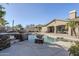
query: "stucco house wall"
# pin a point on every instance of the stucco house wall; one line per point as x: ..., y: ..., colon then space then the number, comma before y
x: 44, y: 29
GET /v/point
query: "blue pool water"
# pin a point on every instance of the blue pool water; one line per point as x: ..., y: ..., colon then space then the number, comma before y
x: 32, y: 38
x: 47, y: 39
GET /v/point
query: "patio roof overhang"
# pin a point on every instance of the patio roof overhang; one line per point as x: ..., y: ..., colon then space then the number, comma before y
x: 56, y: 22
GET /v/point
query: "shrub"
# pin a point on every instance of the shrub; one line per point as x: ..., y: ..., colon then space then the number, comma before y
x: 74, y: 49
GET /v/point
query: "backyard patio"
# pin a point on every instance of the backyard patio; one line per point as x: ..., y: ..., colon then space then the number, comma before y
x: 27, y: 48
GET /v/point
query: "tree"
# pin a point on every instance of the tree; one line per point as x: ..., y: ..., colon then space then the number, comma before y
x: 3, y: 22
x: 72, y: 24
x: 2, y: 13
x: 39, y: 27
x: 19, y: 27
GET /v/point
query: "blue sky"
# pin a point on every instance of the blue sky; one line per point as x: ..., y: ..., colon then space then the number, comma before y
x: 38, y: 13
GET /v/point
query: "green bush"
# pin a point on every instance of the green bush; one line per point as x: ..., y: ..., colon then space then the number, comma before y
x: 74, y: 49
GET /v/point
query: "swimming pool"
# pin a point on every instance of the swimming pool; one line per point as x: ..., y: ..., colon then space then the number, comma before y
x: 31, y: 38
x: 48, y: 39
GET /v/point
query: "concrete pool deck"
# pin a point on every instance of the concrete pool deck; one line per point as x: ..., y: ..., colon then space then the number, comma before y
x: 66, y: 36
x: 27, y: 48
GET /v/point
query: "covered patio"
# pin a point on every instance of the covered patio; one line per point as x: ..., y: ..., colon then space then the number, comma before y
x: 56, y: 26
x: 57, y: 29
x: 50, y: 29
x: 61, y: 29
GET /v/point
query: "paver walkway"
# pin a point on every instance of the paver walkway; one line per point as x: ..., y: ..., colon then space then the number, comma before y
x: 27, y: 48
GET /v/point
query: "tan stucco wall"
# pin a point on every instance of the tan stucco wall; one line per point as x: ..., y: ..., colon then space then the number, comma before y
x: 72, y: 14
x: 44, y: 29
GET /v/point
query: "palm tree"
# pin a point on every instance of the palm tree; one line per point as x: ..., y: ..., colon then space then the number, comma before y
x: 72, y: 24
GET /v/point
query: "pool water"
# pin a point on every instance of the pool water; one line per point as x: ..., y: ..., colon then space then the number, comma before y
x: 31, y: 38
x: 49, y: 39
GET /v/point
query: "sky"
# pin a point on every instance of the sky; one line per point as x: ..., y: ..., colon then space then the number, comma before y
x: 37, y: 13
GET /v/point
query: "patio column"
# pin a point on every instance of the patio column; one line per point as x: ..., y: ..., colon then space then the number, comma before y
x: 48, y: 30
x: 69, y: 31
x: 55, y: 29
x: 77, y: 30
